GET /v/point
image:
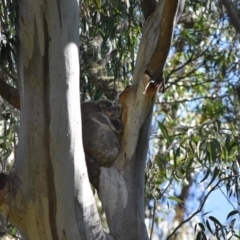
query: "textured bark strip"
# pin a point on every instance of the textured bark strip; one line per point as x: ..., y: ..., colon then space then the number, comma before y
x: 52, y: 203
x: 166, y: 28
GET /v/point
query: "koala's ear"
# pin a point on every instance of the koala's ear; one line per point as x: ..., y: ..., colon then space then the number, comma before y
x: 113, y: 112
x: 104, y: 103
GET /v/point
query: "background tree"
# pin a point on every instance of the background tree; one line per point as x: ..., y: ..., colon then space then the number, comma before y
x: 198, y: 134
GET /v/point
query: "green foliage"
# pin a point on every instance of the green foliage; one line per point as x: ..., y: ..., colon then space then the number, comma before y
x: 8, y: 55
x: 7, y: 142
x: 109, y: 36
x: 196, y: 143
x: 8, y: 39
x: 217, y: 229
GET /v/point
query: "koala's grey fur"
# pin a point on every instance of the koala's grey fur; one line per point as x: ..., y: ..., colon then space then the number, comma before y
x: 101, y: 127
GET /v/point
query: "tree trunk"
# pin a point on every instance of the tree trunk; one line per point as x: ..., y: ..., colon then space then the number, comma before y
x: 52, y: 198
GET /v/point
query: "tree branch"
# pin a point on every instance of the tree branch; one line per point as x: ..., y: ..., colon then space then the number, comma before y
x: 10, y: 94
x: 216, y: 186
x: 156, y: 64
x: 157, y: 32
x: 232, y: 15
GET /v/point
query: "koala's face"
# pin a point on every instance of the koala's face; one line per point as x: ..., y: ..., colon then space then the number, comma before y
x: 113, y: 112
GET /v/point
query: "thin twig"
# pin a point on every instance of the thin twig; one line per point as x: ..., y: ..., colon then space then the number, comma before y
x: 199, y: 208
x: 153, y: 217
x: 198, y: 98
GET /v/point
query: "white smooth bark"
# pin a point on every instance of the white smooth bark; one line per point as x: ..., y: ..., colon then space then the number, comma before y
x: 52, y: 198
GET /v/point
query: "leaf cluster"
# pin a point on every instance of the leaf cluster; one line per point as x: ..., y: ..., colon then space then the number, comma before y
x: 109, y: 36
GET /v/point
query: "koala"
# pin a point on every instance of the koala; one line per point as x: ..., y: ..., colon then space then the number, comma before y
x: 101, y: 128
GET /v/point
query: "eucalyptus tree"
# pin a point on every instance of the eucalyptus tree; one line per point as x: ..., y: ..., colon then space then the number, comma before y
x: 195, y: 131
